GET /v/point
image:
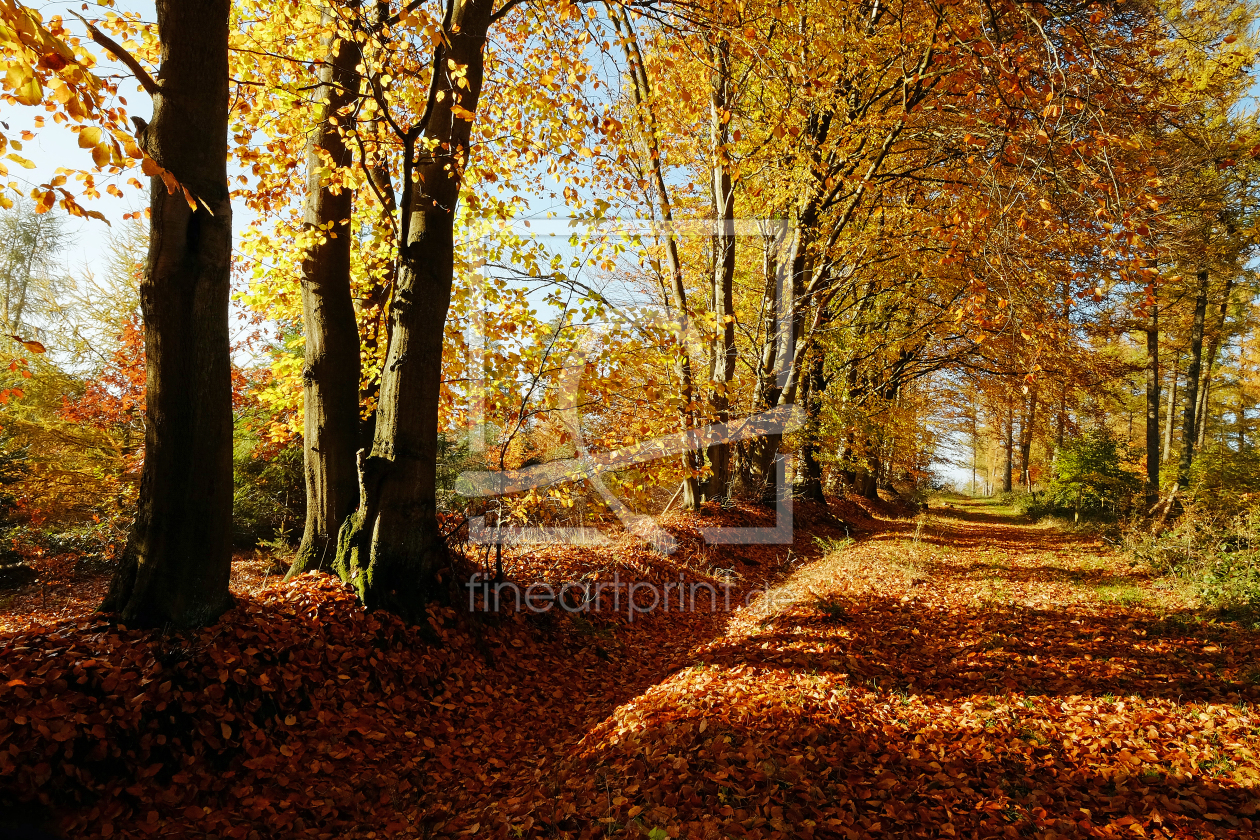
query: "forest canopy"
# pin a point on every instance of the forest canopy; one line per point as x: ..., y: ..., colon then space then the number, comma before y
x: 928, y: 243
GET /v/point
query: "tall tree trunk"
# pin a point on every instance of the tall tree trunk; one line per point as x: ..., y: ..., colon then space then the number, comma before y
x: 644, y: 97
x: 1214, y: 345
x: 1060, y: 421
x: 1240, y: 427
x: 330, y: 377
x: 1169, y: 409
x: 392, y: 548
x: 975, y: 444
x: 724, y: 354
x: 1152, y: 407
x: 1027, y: 425
x: 175, y: 568
x: 1188, y: 427
x: 1007, y: 484
x: 1201, y: 415
x: 811, y: 486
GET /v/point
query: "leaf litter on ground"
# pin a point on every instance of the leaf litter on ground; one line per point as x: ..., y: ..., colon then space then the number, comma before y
x: 954, y: 675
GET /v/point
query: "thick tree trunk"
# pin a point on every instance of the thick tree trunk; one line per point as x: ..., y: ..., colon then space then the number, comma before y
x: 392, y: 548
x: 724, y: 354
x: 330, y: 377
x: 760, y: 453
x: 177, y: 562
x: 1188, y: 427
x: 1152, y: 407
x: 779, y: 380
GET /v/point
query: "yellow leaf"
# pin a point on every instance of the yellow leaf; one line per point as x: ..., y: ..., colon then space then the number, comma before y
x: 25, y: 86
x: 90, y: 136
x: 30, y: 344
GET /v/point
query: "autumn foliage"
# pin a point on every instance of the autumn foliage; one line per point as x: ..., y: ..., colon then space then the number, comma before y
x: 1009, y: 241
x: 873, y: 690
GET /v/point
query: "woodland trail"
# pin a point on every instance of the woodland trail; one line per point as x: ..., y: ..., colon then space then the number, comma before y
x: 956, y: 674
x: 960, y: 674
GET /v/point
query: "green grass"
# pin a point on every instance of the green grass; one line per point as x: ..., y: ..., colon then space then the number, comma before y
x: 831, y: 545
x: 1127, y: 596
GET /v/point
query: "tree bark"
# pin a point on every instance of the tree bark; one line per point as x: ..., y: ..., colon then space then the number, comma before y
x: 1201, y: 415
x: 644, y: 96
x: 811, y: 486
x: 1214, y: 345
x: 1152, y: 407
x: 1240, y: 426
x: 392, y: 548
x: 1188, y: 427
x: 1027, y: 424
x: 1169, y: 410
x: 175, y: 568
x: 724, y: 354
x: 1007, y: 483
x: 330, y: 377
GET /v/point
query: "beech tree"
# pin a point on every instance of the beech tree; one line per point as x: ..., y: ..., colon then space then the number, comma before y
x: 392, y: 548
x: 330, y: 374
x: 176, y: 565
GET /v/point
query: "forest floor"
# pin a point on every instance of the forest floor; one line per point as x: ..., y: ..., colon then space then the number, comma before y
x: 959, y: 673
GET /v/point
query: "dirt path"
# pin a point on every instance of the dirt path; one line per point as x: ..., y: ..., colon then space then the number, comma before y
x: 960, y: 675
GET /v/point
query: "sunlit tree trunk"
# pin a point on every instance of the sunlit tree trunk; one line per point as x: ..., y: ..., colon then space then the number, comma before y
x: 1214, y: 345
x: 1027, y: 424
x: 1152, y: 407
x: 643, y: 94
x: 1240, y: 425
x: 330, y: 377
x: 175, y: 568
x: 1188, y: 427
x: 724, y: 353
x: 1170, y: 409
x: 392, y: 548
x: 1007, y: 483
x: 811, y: 485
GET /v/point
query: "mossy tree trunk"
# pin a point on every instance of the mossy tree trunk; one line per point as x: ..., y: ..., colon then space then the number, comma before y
x: 391, y: 548
x: 330, y: 376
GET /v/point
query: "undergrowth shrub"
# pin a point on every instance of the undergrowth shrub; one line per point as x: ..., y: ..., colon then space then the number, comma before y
x: 1226, y: 482
x: 1089, y: 477
x: 269, y: 492
x: 1212, y: 555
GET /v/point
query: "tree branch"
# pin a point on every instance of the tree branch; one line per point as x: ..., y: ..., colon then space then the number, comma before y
x: 146, y: 81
